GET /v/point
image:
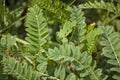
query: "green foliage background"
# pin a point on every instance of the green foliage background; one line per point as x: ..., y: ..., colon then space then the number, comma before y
x: 59, y: 40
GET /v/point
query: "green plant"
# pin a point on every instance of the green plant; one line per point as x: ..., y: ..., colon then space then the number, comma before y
x: 81, y: 51
x: 54, y: 10
x: 109, y: 6
x: 21, y: 71
x: 111, y: 41
x: 37, y: 29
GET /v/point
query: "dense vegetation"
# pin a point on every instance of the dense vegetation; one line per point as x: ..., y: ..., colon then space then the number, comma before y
x: 59, y: 39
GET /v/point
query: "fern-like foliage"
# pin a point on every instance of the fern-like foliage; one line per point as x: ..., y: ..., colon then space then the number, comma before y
x: 111, y: 49
x: 2, y: 75
x: 49, y: 67
x: 50, y: 5
x: 81, y: 62
x: 8, y: 41
x: 101, y: 5
x: 91, y: 38
x: 37, y: 30
x: 8, y: 45
x: 80, y: 29
x: 66, y: 30
x: 56, y: 8
x: 19, y: 70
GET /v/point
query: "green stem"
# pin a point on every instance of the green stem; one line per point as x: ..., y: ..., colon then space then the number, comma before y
x: 17, y: 39
x: 21, y: 41
x: 3, y: 30
x: 113, y: 49
x: 72, y: 2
